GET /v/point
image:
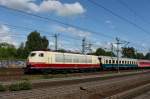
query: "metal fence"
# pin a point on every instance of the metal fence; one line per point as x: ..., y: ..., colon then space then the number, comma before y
x: 12, y: 63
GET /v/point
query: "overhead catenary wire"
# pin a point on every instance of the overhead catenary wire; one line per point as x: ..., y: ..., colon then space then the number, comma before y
x: 57, y: 21
x: 32, y: 29
x: 120, y: 17
x: 123, y: 3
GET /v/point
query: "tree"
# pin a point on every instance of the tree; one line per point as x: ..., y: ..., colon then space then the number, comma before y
x: 128, y: 52
x: 139, y: 55
x: 6, y: 45
x: 62, y: 50
x: 36, y: 42
x: 45, y: 42
x: 109, y: 53
x: 21, y: 52
x: 7, y: 50
x: 147, y: 56
x: 101, y: 51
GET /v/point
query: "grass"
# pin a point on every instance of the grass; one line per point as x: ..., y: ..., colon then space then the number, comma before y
x: 25, y: 85
x: 2, y: 88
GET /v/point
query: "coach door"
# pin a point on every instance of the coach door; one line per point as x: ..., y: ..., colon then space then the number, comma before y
x: 100, y: 62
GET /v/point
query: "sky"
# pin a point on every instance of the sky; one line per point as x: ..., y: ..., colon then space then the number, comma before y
x: 83, y: 18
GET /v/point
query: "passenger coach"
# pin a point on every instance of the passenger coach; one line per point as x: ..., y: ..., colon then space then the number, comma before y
x: 123, y: 63
x: 144, y: 63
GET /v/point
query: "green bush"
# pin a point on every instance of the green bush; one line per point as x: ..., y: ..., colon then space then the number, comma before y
x: 26, y: 85
x: 2, y: 88
x: 14, y: 87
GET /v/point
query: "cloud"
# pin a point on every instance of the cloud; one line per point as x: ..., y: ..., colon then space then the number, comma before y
x: 110, y: 24
x: 104, y: 45
x: 5, y: 35
x: 51, y: 6
x: 19, y: 4
x: 73, y: 31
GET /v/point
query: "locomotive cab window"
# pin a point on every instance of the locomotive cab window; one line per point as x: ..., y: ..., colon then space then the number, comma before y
x: 41, y: 55
x: 32, y: 54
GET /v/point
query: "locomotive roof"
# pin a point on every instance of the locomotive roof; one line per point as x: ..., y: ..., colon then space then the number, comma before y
x: 107, y: 57
x: 62, y: 53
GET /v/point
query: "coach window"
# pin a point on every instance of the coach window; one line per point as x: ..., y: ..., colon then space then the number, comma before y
x: 41, y: 55
x: 106, y: 61
x: 125, y: 62
x: 109, y: 61
x: 116, y: 61
x: 119, y: 62
x: 113, y: 61
x: 122, y: 62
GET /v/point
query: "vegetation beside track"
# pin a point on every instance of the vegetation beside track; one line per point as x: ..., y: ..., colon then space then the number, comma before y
x: 23, y: 85
x: 11, y: 71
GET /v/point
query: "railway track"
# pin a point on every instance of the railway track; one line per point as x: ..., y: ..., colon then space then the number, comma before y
x: 88, y: 88
x: 11, y: 74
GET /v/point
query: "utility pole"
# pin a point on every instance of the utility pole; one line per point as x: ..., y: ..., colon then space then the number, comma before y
x: 118, y: 42
x: 56, y: 41
x: 112, y: 48
x: 89, y: 47
x: 86, y: 46
x: 83, y: 45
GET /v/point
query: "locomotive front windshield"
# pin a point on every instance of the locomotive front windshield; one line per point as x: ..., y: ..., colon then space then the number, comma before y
x: 32, y: 54
x: 41, y: 55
